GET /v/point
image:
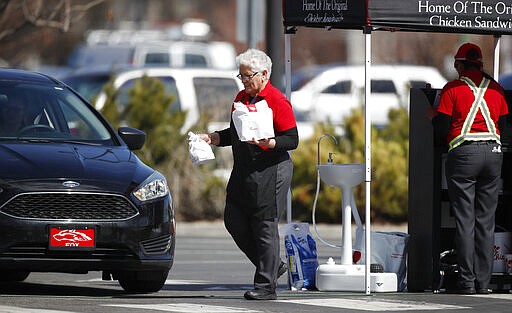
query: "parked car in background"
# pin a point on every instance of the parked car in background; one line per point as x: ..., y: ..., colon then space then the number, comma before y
x: 196, y: 91
x: 330, y: 92
x: 214, y: 54
x: 89, y: 81
x: 505, y: 81
x: 220, y: 55
x: 74, y: 197
x: 185, y: 45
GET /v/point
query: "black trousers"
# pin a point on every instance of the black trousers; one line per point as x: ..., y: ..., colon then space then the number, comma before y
x: 473, y: 172
x: 255, y: 230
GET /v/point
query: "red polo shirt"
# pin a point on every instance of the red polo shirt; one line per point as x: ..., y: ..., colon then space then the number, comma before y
x: 457, y: 98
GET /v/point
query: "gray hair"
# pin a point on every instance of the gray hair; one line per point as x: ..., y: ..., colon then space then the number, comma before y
x: 257, y: 60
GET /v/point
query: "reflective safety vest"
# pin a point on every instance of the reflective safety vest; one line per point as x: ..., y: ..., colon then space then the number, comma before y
x: 478, y: 104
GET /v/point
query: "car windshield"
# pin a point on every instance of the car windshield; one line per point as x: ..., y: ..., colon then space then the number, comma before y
x: 30, y: 111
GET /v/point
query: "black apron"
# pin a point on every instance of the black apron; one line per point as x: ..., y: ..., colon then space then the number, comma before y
x: 253, y: 181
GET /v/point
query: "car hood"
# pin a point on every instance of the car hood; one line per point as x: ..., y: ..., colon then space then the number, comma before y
x: 45, y: 166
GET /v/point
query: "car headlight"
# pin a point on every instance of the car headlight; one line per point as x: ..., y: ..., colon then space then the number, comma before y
x: 155, y: 188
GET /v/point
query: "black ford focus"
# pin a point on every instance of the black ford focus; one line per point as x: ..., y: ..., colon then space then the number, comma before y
x: 74, y: 197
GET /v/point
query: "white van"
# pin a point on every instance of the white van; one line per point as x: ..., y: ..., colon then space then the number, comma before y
x: 216, y: 54
x: 195, y: 90
x: 330, y: 92
x: 187, y: 45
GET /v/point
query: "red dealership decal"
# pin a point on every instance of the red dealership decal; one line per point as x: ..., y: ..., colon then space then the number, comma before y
x: 72, y: 237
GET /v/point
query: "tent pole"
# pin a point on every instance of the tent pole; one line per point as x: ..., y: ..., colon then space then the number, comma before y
x: 497, y: 57
x: 367, y: 153
x: 288, y: 92
x: 288, y: 64
x: 288, y: 81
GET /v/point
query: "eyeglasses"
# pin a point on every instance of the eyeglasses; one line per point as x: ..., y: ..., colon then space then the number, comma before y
x: 246, y: 77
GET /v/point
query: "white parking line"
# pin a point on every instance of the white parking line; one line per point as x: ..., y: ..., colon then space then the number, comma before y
x: 186, y: 282
x: 14, y: 309
x: 502, y: 296
x: 167, y: 282
x: 369, y: 304
x: 184, y: 308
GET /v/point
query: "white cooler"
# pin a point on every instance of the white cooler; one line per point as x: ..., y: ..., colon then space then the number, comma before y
x: 339, y: 277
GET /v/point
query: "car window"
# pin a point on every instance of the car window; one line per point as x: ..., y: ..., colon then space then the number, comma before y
x: 382, y: 86
x: 195, y: 60
x: 417, y: 84
x: 169, y: 87
x: 47, y: 112
x: 157, y: 58
x: 340, y: 87
x: 215, y: 96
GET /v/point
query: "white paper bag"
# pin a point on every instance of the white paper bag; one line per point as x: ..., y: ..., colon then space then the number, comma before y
x: 253, y: 121
x: 388, y: 249
x: 199, y: 150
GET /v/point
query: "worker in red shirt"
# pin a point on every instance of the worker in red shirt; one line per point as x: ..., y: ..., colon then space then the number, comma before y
x: 470, y: 114
x: 261, y: 175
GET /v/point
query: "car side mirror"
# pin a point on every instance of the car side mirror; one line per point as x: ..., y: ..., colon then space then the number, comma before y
x: 133, y: 137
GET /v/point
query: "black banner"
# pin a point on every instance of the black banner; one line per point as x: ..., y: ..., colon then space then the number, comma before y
x: 447, y: 16
x: 444, y: 16
x: 349, y: 14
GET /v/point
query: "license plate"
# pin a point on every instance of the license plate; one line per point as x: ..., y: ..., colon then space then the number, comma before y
x: 76, y: 238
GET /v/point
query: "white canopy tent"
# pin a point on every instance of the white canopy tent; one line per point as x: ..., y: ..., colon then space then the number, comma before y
x: 492, y: 17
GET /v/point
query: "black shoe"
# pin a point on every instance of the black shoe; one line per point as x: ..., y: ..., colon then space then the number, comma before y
x: 282, y: 269
x: 483, y: 291
x: 260, y: 294
x: 463, y: 291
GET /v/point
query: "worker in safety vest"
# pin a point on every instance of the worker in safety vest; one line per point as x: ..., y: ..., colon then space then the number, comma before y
x: 469, y: 117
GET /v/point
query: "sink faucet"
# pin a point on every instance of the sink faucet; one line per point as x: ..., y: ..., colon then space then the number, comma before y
x: 318, y: 144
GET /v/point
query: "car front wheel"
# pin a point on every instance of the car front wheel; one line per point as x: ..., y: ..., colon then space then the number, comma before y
x: 13, y: 275
x: 142, y: 282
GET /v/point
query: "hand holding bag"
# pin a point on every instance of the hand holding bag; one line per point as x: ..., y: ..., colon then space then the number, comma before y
x: 199, y: 150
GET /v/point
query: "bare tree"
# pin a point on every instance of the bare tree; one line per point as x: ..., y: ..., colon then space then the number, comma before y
x: 58, y: 14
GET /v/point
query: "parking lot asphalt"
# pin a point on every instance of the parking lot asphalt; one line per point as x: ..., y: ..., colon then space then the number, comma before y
x: 216, y: 229
x: 356, y: 301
